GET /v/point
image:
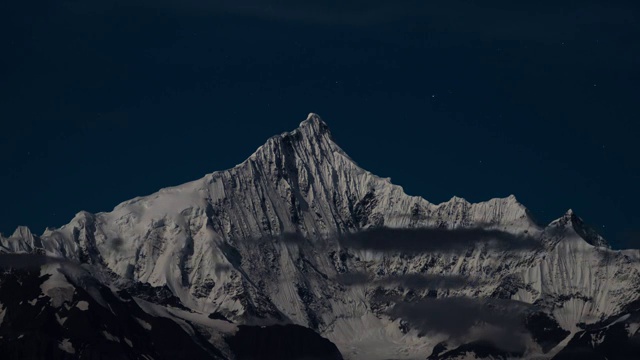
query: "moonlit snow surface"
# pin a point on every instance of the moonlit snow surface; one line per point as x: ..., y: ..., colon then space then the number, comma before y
x: 263, y: 243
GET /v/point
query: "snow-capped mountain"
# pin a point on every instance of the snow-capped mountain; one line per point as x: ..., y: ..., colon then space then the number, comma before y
x: 300, y: 234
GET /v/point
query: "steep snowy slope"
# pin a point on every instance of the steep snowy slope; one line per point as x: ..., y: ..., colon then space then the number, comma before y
x: 299, y: 233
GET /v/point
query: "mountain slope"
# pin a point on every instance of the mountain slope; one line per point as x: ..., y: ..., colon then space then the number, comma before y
x: 264, y: 243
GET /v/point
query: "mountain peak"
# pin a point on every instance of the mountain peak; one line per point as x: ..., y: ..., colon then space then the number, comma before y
x: 311, y: 118
x: 22, y: 240
x: 22, y: 232
x: 457, y: 199
x: 573, y: 221
x: 311, y: 132
x: 314, y: 126
x: 567, y: 219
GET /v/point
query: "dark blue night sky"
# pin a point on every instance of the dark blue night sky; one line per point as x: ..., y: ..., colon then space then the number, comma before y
x: 101, y: 101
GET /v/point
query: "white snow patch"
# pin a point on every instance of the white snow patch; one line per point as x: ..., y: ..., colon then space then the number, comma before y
x: 128, y: 342
x: 109, y: 336
x: 183, y: 318
x: 82, y: 305
x: 67, y: 346
x: 596, y: 339
x: 561, y: 345
x: 60, y: 320
x: 144, y: 324
x: 368, y: 337
x: 2, y: 312
x: 56, y: 286
x: 33, y: 302
x: 620, y: 319
x: 78, y: 275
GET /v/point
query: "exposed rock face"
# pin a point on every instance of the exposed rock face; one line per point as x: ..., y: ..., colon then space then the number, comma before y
x: 260, y: 244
